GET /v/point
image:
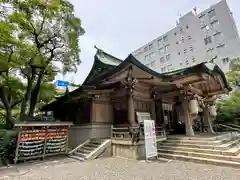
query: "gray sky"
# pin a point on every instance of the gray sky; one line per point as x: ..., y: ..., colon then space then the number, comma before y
x: 121, y: 26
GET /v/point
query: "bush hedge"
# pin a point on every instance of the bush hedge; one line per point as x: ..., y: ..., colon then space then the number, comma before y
x: 7, y: 146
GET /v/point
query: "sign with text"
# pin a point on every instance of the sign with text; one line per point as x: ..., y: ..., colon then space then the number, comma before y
x: 150, y: 139
x: 62, y: 83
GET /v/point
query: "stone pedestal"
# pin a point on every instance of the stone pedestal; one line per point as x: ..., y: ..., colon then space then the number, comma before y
x: 125, y: 148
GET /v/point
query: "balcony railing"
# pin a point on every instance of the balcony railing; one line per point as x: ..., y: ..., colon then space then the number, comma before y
x: 122, y: 133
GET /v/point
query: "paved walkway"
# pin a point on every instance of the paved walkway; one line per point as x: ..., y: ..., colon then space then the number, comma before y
x: 119, y: 169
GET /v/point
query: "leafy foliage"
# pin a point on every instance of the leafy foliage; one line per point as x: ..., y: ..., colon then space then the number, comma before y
x: 7, y: 146
x: 37, y: 36
x: 229, y: 107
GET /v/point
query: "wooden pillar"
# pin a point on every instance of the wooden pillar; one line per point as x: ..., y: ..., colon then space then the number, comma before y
x: 159, y: 113
x: 207, y: 119
x: 131, y: 112
x: 153, y: 111
x: 174, y: 116
x: 93, y: 111
x: 188, y: 118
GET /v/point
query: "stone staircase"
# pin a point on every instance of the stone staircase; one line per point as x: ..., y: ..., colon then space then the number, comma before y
x: 218, y: 150
x: 90, y: 149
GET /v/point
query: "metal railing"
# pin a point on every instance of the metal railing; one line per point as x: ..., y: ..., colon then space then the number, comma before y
x: 124, y: 132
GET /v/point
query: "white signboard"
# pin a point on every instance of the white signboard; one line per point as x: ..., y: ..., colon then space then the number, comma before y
x: 141, y: 116
x: 150, y: 139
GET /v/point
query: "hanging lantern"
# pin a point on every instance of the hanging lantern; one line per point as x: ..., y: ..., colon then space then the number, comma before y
x: 212, y: 110
x: 193, y: 106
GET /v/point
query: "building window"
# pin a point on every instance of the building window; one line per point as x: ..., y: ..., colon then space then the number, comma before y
x: 185, y: 51
x: 152, y: 64
x: 221, y: 46
x: 163, y: 69
x: 201, y: 20
x: 159, y: 42
x: 225, y: 60
x: 146, y: 58
x: 162, y: 60
x: 175, y: 33
x: 182, y: 40
x: 187, y: 26
x: 165, y: 38
x: 169, y: 67
x: 161, y: 50
x: 193, y: 59
x: 168, y: 57
x: 176, y: 42
x: 186, y: 62
x: 151, y: 55
x: 181, y: 63
x: 205, y: 28
x: 146, y: 49
x: 210, y: 50
x: 211, y: 14
x: 189, y: 37
x: 166, y: 48
x: 208, y: 40
x: 191, y: 48
x: 179, y: 53
x: 150, y: 46
x: 218, y: 38
x: 181, y: 30
x: 217, y: 33
x: 215, y: 24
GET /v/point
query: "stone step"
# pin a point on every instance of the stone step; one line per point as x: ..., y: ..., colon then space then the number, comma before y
x: 224, y: 146
x: 80, y: 154
x: 200, y: 160
x: 202, y: 155
x: 88, y: 148
x: 207, y: 138
x: 95, y: 143
x: 81, y: 150
x: 231, y: 152
x: 187, y: 141
x: 93, y: 146
x: 77, y: 158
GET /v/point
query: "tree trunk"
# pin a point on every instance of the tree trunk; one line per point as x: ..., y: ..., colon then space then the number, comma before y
x: 27, y: 96
x: 207, y: 119
x: 9, y: 119
x: 6, y: 102
x: 34, y: 95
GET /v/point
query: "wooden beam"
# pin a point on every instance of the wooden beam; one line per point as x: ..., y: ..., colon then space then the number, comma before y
x: 168, y: 94
x: 225, y: 91
x: 194, y: 90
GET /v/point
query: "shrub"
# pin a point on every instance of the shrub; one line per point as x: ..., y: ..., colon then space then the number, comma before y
x: 7, y: 146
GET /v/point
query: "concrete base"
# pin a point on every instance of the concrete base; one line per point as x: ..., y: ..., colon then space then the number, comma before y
x: 125, y: 148
x: 79, y: 134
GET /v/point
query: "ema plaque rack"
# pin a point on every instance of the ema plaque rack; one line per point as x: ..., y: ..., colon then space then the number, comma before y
x: 41, y: 140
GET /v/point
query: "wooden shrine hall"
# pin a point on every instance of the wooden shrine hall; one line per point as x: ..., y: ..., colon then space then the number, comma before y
x: 115, y: 90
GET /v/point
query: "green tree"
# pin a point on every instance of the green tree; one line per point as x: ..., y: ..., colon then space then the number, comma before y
x: 229, y: 108
x: 233, y: 75
x: 50, y: 32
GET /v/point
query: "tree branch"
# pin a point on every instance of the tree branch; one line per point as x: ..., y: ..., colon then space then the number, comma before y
x: 43, y: 21
x: 16, y: 103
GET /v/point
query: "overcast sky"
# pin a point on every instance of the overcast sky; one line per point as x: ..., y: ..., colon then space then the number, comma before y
x: 121, y: 26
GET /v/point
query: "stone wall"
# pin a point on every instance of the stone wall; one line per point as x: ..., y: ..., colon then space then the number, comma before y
x: 79, y: 134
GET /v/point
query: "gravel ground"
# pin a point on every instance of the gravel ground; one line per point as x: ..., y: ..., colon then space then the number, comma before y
x: 120, y: 169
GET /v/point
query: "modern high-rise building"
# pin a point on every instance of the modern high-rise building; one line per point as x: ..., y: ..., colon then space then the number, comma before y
x: 197, y: 37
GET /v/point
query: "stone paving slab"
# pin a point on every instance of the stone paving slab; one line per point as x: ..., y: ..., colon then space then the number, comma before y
x: 119, y: 169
